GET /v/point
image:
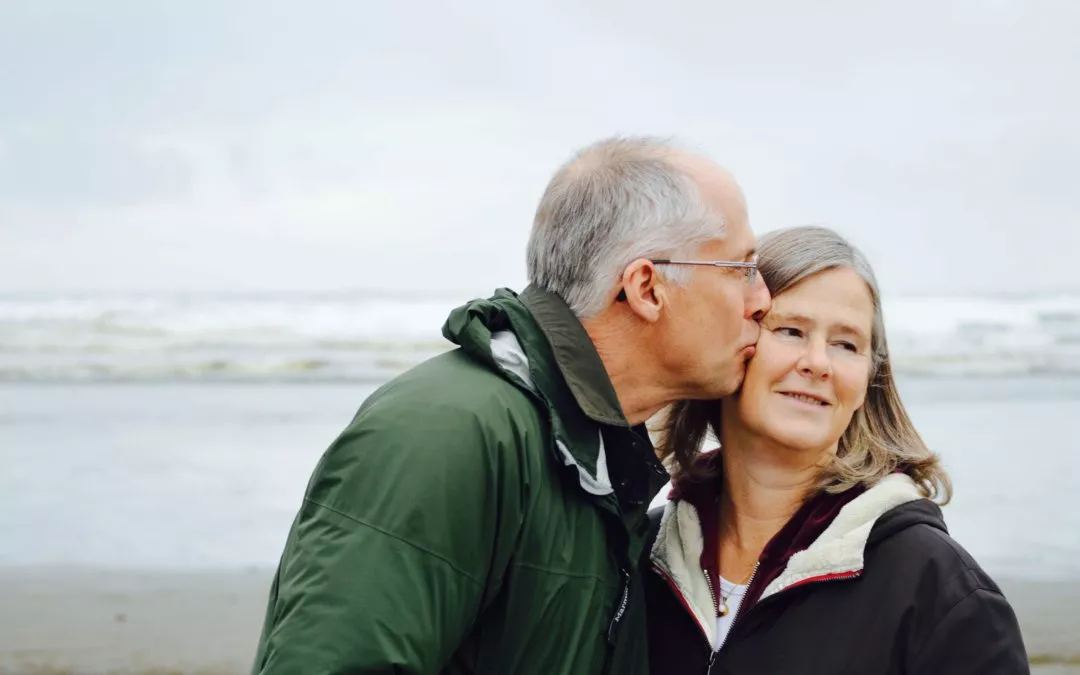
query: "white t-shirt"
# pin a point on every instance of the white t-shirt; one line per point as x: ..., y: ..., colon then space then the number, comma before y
x: 734, y: 594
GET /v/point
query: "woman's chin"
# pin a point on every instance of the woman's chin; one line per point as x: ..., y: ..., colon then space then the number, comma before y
x: 805, y: 444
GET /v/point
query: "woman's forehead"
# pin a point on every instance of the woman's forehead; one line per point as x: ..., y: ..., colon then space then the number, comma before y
x: 834, y: 298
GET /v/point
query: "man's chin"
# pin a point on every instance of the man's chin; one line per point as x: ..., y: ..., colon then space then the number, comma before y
x: 729, y: 383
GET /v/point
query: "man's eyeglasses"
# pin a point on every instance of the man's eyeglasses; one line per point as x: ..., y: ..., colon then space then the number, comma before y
x: 750, y: 269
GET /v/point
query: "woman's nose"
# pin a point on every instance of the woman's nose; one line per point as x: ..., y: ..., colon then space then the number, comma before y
x: 815, y: 361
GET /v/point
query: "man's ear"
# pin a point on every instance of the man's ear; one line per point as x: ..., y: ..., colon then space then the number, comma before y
x: 643, y: 290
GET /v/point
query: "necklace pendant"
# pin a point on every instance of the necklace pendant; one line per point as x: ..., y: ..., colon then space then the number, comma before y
x: 723, y: 609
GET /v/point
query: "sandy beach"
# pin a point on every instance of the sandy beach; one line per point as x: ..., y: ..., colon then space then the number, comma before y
x: 88, y: 622
x: 78, y: 621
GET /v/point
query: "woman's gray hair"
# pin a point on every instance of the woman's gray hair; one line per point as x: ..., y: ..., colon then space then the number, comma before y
x: 880, y: 439
x: 614, y: 202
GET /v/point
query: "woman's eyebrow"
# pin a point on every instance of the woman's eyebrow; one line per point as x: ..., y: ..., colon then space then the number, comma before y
x: 786, y: 317
x: 802, y: 319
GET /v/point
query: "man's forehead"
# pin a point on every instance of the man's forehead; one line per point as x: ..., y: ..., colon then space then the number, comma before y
x: 738, y: 243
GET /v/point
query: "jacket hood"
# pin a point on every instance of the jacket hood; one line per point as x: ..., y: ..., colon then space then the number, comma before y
x: 472, y: 325
x: 501, y: 333
x: 547, y: 330
x: 534, y: 341
x: 909, y: 514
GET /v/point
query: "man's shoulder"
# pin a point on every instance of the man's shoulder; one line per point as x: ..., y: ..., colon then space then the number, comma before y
x: 446, y: 421
x: 454, y: 383
x: 450, y: 405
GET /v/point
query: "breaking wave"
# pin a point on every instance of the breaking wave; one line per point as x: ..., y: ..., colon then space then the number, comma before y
x: 355, y: 336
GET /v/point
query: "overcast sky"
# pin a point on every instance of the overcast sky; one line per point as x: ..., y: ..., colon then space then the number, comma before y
x: 319, y: 145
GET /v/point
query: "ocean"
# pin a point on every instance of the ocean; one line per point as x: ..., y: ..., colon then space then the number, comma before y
x: 177, y: 430
x: 173, y: 435
x: 208, y: 476
x: 367, y: 337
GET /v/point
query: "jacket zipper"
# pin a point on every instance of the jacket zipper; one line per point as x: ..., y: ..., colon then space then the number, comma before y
x: 686, y: 605
x: 716, y: 612
x: 836, y: 576
x: 824, y: 578
x: 716, y: 608
x: 712, y: 592
x: 739, y: 612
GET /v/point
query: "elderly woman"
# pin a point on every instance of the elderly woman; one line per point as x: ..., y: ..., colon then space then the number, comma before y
x: 810, y: 542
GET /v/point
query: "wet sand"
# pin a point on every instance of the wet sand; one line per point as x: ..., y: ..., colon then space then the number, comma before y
x: 87, y: 622
x: 76, y: 621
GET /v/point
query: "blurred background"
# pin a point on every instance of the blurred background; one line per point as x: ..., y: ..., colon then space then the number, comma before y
x: 223, y: 224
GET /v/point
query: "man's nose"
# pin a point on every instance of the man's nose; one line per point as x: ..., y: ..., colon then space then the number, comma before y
x: 760, y: 300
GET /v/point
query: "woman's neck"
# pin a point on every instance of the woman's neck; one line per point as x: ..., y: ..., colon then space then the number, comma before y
x: 764, y: 485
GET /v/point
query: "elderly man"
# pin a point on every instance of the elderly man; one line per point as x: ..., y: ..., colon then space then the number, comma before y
x: 484, y: 512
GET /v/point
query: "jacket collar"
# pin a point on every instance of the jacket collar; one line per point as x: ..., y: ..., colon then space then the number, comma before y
x: 839, y: 550
x: 543, y: 348
x: 825, y: 539
x: 575, y: 356
x: 580, y: 389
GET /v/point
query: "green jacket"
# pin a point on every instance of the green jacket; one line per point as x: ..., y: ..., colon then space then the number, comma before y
x: 483, y: 513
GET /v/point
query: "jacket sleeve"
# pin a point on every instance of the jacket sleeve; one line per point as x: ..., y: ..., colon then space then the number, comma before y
x: 405, y: 526
x: 979, y: 635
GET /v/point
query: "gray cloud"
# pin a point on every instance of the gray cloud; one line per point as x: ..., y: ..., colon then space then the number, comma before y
x: 327, y: 144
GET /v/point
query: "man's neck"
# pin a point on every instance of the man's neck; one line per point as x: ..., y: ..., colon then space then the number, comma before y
x: 637, y: 385
x: 764, y: 485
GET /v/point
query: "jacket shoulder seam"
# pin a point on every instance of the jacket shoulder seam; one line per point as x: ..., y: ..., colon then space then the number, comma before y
x: 962, y: 568
x: 965, y: 564
x: 978, y: 589
x: 403, y: 540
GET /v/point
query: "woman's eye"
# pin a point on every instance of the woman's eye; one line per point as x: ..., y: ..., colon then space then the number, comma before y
x: 789, y: 331
x: 848, y: 346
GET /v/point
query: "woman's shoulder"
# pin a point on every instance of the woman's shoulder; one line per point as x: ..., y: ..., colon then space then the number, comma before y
x: 922, y: 573
x: 912, y: 543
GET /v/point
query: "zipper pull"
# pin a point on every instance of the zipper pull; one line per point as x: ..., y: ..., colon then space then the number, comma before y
x: 620, y: 608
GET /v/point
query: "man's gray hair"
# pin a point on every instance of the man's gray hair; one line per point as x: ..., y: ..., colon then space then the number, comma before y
x: 616, y: 201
